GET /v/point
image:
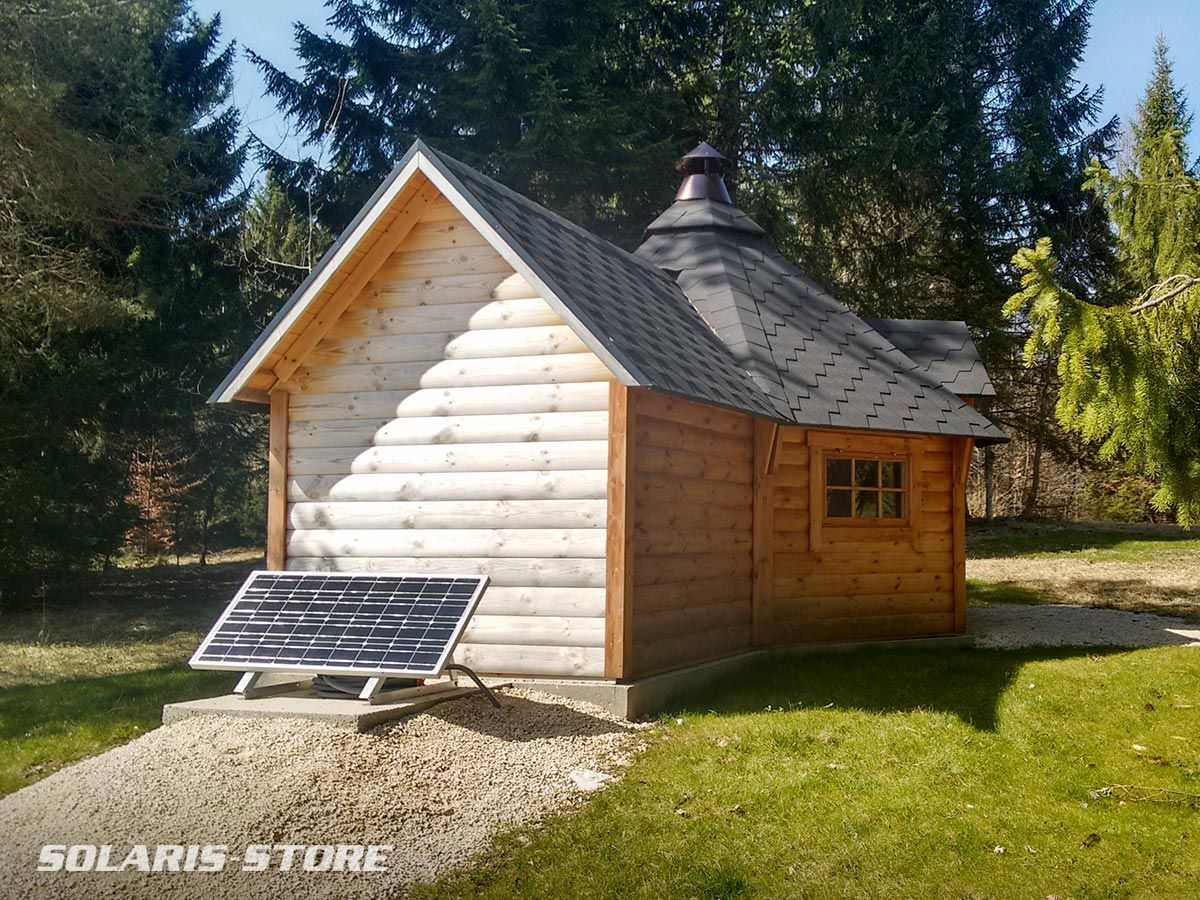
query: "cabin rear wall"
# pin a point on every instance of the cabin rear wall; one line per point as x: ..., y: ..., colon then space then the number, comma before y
x: 864, y: 581
x: 452, y: 422
x: 692, y: 520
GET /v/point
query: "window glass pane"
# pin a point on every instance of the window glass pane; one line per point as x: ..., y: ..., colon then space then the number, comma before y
x: 837, y: 504
x: 837, y: 472
x: 893, y: 474
x: 866, y: 504
x: 893, y: 505
x: 866, y: 472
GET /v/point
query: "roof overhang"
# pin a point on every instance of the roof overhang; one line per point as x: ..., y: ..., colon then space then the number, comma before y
x: 355, y: 256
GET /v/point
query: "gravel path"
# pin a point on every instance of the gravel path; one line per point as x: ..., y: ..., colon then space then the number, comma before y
x: 437, y: 786
x: 1061, y: 625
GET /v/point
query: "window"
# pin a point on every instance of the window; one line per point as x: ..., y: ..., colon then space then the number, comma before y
x: 858, y: 488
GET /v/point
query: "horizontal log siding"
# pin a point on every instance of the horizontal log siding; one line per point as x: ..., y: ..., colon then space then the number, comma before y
x: 450, y: 421
x: 863, y: 582
x: 692, y: 533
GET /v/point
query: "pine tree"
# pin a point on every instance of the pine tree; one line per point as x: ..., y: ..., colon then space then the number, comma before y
x: 1129, y: 355
x: 118, y: 210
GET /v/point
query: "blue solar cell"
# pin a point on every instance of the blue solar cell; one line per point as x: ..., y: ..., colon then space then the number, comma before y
x: 342, y: 624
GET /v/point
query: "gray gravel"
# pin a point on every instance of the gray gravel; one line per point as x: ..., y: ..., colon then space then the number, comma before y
x: 437, y: 786
x: 1064, y: 625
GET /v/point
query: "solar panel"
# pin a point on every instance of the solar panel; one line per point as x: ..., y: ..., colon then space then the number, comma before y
x: 342, y: 623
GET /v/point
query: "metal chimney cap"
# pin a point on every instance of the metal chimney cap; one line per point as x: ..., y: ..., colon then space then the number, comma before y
x: 704, y: 158
x: 702, y: 170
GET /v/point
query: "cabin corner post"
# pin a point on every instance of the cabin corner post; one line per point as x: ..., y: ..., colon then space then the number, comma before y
x: 766, y: 436
x: 619, y: 549
x: 961, y: 466
x: 277, y: 481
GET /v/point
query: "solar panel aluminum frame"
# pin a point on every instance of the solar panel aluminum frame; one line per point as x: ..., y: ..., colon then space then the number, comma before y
x: 359, y: 671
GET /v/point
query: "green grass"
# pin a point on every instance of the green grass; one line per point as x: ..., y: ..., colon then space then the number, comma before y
x: 1083, y: 540
x: 93, y: 667
x: 44, y: 727
x: 894, y: 775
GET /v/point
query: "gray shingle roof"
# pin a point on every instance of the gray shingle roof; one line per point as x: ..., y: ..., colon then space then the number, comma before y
x: 818, y: 362
x: 944, y: 350
x: 634, y: 308
x: 709, y: 311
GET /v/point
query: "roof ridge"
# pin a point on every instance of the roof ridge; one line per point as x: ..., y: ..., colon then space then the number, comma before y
x: 448, y: 160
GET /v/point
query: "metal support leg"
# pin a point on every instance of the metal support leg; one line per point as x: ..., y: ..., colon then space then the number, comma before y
x: 248, y: 686
x: 455, y: 667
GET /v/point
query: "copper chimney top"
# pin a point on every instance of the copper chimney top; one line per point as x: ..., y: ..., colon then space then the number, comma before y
x: 702, y: 175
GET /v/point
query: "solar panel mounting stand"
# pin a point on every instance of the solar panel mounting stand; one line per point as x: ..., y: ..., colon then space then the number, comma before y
x: 373, y: 692
x: 249, y: 688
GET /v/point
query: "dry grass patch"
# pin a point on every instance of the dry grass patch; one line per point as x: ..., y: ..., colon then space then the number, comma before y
x: 1154, y: 569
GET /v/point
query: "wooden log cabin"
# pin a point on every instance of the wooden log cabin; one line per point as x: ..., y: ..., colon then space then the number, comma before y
x: 660, y: 458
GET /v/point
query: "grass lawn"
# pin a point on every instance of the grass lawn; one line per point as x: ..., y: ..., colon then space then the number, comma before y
x: 1084, y: 541
x: 79, y: 677
x: 1140, y: 568
x: 961, y: 774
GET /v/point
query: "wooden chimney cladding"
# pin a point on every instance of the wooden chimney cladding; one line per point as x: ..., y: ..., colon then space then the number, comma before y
x: 691, y: 531
x: 450, y: 421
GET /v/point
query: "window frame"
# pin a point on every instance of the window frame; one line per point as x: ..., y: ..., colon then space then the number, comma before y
x: 905, y: 489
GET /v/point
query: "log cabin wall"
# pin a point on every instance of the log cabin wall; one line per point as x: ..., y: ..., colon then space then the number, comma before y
x: 691, y: 508
x: 840, y: 582
x: 450, y: 421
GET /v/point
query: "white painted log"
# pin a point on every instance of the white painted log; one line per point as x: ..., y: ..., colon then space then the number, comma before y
x: 444, y: 261
x: 542, y: 340
x: 588, y: 396
x: 535, y: 631
x: 444, y: 289
x: 543, y: 543
x: 584, y: 573
x: 449, y: 514
x: 530, y: 457
x: 561, y: 662
x: 440, y: 317
x: 512, y: 370
x: 512, y: 428
x: 584, y: 602
x: 566, y: 485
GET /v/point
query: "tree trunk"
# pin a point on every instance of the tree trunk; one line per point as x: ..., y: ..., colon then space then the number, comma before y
x: 989, y: 483
x: 206, y: 522
x: 1039, y: 442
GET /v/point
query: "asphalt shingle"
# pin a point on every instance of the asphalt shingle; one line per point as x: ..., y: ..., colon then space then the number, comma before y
x: 817, y: 362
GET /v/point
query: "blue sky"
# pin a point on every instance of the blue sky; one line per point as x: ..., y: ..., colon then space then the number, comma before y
x: 1118, y: 55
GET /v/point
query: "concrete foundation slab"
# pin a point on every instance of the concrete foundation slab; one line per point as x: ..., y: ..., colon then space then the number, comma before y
x: 634, y: 699
x: 353, y: 715
x: 642, y: 697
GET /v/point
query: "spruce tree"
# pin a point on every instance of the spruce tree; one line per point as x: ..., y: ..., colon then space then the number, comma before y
x: 119, y: 159
x: 1128, y: 355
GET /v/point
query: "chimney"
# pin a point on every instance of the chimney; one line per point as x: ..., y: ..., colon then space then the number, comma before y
x: 702, y: 176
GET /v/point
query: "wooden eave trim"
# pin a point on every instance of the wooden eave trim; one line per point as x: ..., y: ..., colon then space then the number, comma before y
x: 360, y: 273
x: 345, y: 249
x: 619, y: 542
x: 277, y: 482
x: 958, y: 527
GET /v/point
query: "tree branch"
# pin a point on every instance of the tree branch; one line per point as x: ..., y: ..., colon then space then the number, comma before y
x: 1173, y: 286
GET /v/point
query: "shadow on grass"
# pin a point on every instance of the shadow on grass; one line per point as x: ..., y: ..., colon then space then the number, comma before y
x: 966, y: 683
x: 1021, y: 537
x: 1138, y: 595
x: 126, y: 605
x: 97, y: 703
x: 988, y: 593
